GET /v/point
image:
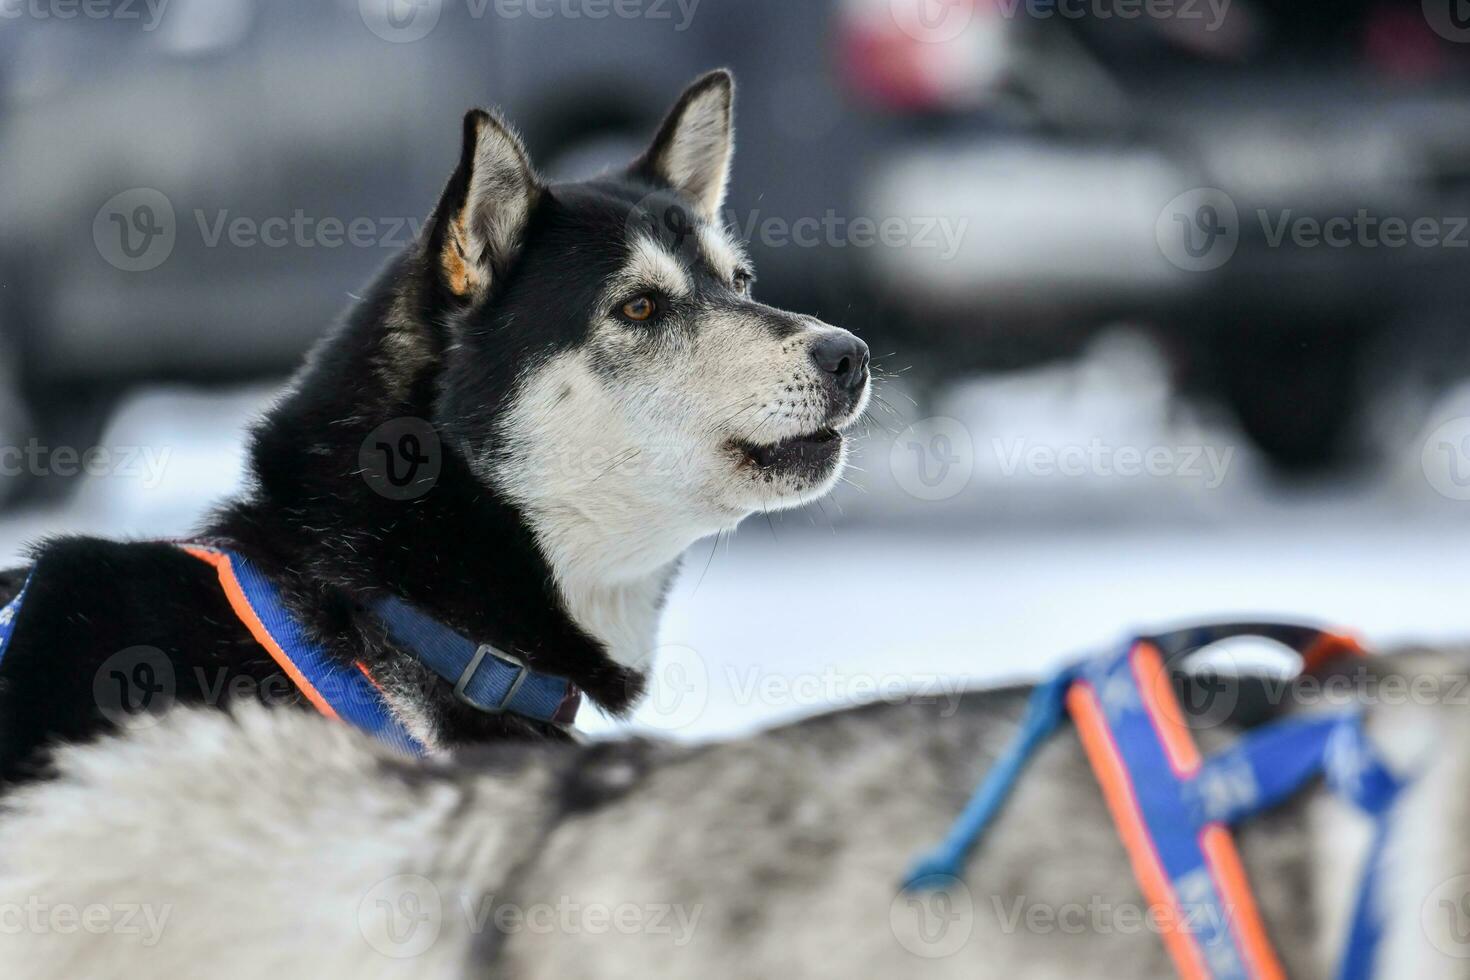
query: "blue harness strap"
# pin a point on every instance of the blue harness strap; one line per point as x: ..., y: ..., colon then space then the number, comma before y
x: 10, y: 616
x: 483, y: 677
x: 1174, y: 807
x: 333, y: 688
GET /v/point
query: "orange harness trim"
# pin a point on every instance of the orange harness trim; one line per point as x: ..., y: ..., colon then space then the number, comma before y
x: 240, y: 603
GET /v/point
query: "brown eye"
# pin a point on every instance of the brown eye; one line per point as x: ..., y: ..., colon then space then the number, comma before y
x: 640, y: 309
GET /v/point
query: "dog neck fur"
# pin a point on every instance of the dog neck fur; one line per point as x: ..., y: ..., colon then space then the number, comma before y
x: 610, y: 522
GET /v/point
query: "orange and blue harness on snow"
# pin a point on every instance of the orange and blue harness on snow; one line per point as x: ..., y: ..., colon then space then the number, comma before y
x: 1174, y: 808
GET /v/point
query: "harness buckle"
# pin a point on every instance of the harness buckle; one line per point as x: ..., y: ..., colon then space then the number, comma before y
x: 486, y: 650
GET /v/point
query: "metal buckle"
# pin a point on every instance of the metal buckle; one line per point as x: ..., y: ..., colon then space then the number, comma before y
x: 486, y: 650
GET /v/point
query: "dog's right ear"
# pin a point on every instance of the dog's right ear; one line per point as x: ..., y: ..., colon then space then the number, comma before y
x: 481, y: 219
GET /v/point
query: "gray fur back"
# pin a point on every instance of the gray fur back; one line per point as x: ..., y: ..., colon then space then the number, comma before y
x: 281, y: 845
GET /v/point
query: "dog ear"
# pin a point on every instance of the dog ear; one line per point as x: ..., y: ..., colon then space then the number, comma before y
x: 693, y: 148
x: 481, y: 218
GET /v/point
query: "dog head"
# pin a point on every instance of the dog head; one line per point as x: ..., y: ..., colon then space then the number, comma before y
x: 607, y: 365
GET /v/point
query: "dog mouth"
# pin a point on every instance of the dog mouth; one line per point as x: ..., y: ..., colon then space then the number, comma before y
x: 807, y: 455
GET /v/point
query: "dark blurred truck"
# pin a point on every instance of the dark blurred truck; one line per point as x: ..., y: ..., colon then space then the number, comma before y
x: 1277, y: 189
x: 974, y: 184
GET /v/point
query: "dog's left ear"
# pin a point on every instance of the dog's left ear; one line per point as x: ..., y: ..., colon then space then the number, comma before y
x: 477, y: 228
x: 693, y: 148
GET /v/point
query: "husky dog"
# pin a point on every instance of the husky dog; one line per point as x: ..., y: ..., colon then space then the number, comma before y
x: 225, y: 841
x: 530, y: 416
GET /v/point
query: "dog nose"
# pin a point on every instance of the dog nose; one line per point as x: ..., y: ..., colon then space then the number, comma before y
x: 843, y: 356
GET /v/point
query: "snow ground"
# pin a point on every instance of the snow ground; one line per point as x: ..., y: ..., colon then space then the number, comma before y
x: 1046, y: 542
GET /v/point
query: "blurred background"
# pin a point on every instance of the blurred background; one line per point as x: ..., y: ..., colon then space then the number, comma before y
x: 1169, y: 296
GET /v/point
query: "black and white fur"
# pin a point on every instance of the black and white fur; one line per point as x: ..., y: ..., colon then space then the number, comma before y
x: 274, y: 844
x: 581, y: 451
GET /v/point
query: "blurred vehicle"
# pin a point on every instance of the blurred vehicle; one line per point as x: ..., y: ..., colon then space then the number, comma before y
x: 196, y: 200
x: 1078, y: 150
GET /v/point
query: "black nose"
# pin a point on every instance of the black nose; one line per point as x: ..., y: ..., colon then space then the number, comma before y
x: 843, y: 356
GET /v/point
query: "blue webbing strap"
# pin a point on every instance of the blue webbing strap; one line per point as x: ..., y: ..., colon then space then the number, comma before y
x: 487, y: 678
x: 1261, y: 770
x: 1044, y: 713
x: 1356, y: 772
x: 10, y: 615
x: 349, y: 692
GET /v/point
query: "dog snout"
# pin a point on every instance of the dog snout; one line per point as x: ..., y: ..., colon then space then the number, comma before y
x: 844, y: 358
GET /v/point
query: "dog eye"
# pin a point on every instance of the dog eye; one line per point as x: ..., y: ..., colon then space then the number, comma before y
x: 640, y: 309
